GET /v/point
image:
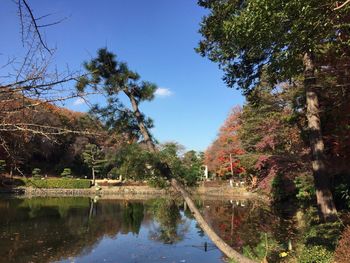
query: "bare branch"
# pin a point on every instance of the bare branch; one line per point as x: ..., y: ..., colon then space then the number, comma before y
x: 35, y: 25
x: 53, y: 23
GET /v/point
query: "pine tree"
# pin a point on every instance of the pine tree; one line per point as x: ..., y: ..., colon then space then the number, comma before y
x: 93, y: 157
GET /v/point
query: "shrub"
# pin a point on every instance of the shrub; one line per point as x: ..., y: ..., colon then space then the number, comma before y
x: 315, y: 254
x: 59, y: 183
x: 67, y: 172
x: 158, y: 182
x: 36, y: 173
x: 305, y: 188
x: 342, y: 192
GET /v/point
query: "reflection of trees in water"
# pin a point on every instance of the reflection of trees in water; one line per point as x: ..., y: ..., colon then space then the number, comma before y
x: 248, y: 226
x: 49, y: 229
x: 171, y: 228
x: 133, y: 216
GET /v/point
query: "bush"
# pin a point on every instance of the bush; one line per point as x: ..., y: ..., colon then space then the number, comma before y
x: 67, y: 172
x: 36, y: 173
x: 58, y: 183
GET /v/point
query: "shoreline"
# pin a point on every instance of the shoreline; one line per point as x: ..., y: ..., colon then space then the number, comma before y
x: 141, y: 192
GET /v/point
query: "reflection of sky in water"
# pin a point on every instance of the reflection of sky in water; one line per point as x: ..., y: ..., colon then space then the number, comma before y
x: 131, y: 248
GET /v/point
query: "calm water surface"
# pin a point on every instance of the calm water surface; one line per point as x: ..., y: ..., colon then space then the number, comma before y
x: 159, y: 230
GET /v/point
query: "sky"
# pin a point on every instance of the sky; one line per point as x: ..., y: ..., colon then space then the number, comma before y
x: 157, y: 39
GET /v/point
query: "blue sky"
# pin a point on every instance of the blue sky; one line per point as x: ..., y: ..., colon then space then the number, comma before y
x: 157, y: 39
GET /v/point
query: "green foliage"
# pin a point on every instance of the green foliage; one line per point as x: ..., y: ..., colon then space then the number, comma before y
x: 192, y: 161
x: 278, y: 194
x: 67, y: 172
x: 305, y: 188
x: 135, y: 163
x: 158, y: 182
x: 186, y: 168
x: 36, y: 173
x: 267, y: 248
x: 2, y: 166
x: 342, y: 192
x: 323, y: 234
x: 318, y: 240
x: 315, y: 254
x: 247, y: 37
x: 114, y: 77
x: 268, y: 121
x: 64, y: 183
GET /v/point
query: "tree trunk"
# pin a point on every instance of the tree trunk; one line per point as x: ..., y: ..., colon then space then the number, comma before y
x: 324, y: 196
x: 226, y: 249
x: 143, y: 129
x: 93, y: 175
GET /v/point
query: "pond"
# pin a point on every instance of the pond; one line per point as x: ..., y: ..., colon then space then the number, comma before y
x: 157, y: 230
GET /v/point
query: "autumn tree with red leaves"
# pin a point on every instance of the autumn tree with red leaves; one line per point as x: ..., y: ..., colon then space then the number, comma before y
x: 221, y: 156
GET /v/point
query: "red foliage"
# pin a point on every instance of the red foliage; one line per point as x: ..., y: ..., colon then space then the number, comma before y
x: 217, y: 156
x: 269, y: 167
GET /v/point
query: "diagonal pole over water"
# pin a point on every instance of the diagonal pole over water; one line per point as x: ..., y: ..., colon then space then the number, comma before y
x: 221, y: 244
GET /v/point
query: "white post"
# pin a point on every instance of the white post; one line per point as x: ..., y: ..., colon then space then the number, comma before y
x: 206, y: 172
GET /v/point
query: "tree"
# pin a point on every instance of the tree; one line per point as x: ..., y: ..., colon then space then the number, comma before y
x: 112, y: 77
x: 93, y: 157
x: 221, y: 155
x: 286, y: 39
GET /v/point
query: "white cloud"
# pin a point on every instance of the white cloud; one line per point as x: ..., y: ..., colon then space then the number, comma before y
x: 163, y: 92
x: 78, y: 101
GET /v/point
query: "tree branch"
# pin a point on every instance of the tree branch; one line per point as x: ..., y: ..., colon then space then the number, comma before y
x: 342, y: 5
x: 36, y: 27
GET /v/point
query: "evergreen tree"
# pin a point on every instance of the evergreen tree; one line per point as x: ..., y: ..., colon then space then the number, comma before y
x: 93, y: 157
